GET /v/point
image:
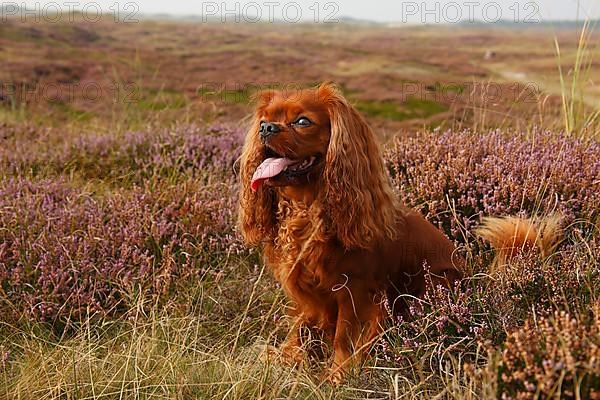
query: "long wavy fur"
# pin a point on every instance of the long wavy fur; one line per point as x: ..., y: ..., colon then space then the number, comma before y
x: 257, y: 210
x: 358, y: 199
x: 511, y: 236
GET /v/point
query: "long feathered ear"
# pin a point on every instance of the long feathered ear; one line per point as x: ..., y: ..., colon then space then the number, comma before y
x: 256, y: 214
x: 358, y: 198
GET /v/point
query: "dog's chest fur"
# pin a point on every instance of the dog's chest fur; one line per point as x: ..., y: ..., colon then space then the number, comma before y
x: 299, y: 256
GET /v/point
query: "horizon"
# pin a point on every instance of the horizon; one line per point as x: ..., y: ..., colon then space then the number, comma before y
x: 405, y: 12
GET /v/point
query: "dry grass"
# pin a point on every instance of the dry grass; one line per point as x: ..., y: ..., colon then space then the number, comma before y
x: 176, y: 353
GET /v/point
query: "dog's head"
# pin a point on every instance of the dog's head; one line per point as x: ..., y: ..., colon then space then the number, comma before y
x: 294, y: 130
x: 313, y: 141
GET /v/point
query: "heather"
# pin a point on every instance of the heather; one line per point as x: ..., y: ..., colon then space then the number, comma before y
x: 123, y: 246
x: 456, y: 179
x: 117, y: 247
x: 558, y: 351
x: 67, y: 255
x: 125, y: 159
x: 530, y: 330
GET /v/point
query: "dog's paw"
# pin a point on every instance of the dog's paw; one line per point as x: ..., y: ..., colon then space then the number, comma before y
x: 335, y: 376
x: 270, y: 354
x: 288, y: 355
x: 291, y: 354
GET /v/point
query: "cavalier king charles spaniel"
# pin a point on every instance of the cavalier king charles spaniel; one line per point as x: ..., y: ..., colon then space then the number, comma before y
x: 316, y: 197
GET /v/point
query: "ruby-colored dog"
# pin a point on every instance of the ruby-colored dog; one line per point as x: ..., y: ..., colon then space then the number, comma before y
x: 316, y: 197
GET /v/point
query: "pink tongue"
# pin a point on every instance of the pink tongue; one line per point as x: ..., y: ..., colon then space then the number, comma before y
x: 268, y: 169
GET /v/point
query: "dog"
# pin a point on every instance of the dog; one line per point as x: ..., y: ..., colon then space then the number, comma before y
x: 315, y: 196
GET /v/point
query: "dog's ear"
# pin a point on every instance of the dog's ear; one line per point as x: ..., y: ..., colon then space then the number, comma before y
x: 256, y: 214
x: 358, y: 198
x: 262, y: 98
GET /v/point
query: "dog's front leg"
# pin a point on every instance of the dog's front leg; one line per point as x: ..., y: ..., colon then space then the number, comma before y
x: 291, y: 349
x: 359, y: 314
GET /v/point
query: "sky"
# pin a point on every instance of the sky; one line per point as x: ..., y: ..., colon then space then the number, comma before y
x: 402, y: 11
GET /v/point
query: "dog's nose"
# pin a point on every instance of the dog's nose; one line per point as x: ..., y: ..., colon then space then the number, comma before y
x: 268, y: 129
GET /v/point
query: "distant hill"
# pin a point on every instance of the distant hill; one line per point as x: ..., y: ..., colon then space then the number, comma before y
x: 540, y: 25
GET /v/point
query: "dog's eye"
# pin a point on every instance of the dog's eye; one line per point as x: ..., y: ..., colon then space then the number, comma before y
x: 303, y: 121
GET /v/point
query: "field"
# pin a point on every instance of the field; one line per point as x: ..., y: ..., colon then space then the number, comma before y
x: 122, y: 273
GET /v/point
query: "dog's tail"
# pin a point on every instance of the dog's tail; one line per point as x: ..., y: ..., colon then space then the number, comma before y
x: 512, y: 236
